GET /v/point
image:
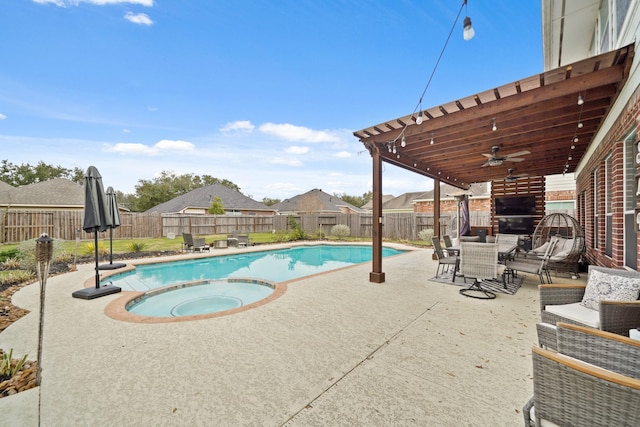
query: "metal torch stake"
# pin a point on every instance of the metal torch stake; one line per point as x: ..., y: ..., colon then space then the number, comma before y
x: 44, y: 253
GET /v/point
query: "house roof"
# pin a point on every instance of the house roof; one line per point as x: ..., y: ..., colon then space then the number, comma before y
x: 406, y: 201
x: 315, y: 200
x: 201, y: 198
x: 385, y: 198
x: 58, y: 192
x: 536, y: 117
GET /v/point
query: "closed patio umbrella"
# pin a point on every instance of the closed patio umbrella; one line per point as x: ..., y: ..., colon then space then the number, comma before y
x: 465, y: 220
x: 114, y: 215
x: 96, y: 218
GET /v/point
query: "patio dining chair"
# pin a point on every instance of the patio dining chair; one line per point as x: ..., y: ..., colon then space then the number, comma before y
x: 478, y: 261
x: 444, y: 262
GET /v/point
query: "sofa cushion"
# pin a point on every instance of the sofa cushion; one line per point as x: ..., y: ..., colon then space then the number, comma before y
x: 576, y: 312
x: 603, y: 286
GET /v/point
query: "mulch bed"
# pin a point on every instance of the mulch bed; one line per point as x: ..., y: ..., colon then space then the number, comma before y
x: 26, y: 377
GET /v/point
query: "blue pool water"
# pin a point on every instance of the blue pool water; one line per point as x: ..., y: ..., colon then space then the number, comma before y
x: 274, y: 265
x: 200, y: 298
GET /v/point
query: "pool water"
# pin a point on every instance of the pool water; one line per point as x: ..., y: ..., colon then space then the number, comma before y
x: 274, y: 265
x: 200, y: 298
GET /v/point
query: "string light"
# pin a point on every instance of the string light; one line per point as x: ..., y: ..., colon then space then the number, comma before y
x: 494, y: 127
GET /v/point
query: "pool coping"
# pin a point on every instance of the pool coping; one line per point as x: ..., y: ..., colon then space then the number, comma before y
x: 117, y: 309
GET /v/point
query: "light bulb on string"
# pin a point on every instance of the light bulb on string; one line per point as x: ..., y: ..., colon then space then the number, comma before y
x: 419, y: 119
x: 403, y: 143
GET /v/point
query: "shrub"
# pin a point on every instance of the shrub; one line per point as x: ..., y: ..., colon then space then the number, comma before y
x: 340, y: 231
x: 296, y: 233
x: 8, y: 367
x: 426, y: 234
x: 12, y: 253
x: 27, y: 251
x: 89, y: 248
x: 17, y: 276
x: 11, y: 264
x: 136, y: 246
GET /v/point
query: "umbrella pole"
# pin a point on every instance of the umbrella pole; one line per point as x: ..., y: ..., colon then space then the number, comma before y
x: 110, y: 245
x: 96, y: 248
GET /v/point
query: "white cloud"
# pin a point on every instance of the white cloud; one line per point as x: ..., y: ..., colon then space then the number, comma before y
x: 285, y: 161
x: 159, y: 148
x: 291, y: 132
x: 2, y: 116
x: 175, y: 145
x: 294, y: 149
x: 239, y: 125
x: 126, y: 130
x: 65, y: 3
x: 138, y: 18
x: 342, y: 154
x: 129, y: 148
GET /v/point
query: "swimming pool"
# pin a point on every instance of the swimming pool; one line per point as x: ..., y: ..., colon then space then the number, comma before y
x: 228, y: 283
x: 274, y: 265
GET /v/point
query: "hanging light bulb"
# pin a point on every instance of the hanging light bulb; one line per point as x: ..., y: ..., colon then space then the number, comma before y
x: 575, y: 139
x: 468, y: 29
x: 419, y: 119
x: 494, y: 127
x: 403, y: 143
x: 580, y: 125
x: 394, y: 150
x: 431, y: 142
x: 570, y: 158
x: 580, y: 100
x: 389, y: 147
x: 573, y: 147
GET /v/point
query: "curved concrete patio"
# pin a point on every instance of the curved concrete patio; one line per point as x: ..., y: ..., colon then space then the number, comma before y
x: 335, y: 349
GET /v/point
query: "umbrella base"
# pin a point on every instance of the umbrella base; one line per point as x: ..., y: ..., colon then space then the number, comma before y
x: 91, y: 293
x: 111, y: 266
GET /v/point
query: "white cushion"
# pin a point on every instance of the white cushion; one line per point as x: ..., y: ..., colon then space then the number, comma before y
x: 543, y: 423
x: 560, y: 255
x: 541, y: 249
x: 576, y: 312
x: 603, y: 286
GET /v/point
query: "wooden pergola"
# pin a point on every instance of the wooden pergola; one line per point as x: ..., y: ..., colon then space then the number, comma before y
x: 539, y: 115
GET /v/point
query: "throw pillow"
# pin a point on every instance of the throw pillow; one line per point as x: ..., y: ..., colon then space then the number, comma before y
x: 602, y: 286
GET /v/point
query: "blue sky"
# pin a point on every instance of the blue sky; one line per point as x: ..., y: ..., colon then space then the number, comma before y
x: 264, y: 93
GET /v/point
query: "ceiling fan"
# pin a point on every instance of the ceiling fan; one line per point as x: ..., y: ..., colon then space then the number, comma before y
x: 511, y: 177
x: 495, y: 160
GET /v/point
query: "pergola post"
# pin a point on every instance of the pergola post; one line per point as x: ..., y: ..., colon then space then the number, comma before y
x: 436, y: 208
x: 376, y: 275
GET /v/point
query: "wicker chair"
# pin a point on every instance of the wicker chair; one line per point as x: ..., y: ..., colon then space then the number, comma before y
x: 478, y: 261
x: 568, y: 251
x: 593, y: 380
x: 612, y: 316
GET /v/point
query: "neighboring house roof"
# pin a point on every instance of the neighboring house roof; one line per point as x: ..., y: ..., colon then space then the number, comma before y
x: 315, y: 200
x: 385, y: 198
x: 405, y: 202
x: 56, y: 192
x: 4, y: 186
x: 201, y: 198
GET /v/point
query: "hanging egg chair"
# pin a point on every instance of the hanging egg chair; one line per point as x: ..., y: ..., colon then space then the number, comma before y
x: 570, y: 246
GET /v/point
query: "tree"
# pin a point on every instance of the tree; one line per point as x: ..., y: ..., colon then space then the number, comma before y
x: 168, y: 185
x: 26, y: 174
x: 216, y: 208
x: 269, y: 201
x: 357, y: 201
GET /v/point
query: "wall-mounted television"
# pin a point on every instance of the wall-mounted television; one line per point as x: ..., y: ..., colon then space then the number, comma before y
x: 516, y: 205
x: 515, y: 225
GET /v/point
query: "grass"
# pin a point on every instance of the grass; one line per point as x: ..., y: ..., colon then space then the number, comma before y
x: 164, y: 244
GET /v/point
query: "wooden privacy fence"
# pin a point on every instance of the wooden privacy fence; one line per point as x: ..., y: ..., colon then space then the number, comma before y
x: 20, y: 225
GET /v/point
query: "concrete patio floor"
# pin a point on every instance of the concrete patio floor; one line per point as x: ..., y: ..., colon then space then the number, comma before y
x: 334, y: 350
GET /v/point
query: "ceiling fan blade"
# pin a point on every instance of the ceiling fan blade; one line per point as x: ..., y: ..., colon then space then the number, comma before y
x: 517, y: 154
x: 485, y: 165
x: 488, y: 156
x: 513, y: 159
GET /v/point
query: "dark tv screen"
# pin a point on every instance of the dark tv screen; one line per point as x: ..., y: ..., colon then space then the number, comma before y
x: 516, y: 225
x: 516, y: 205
